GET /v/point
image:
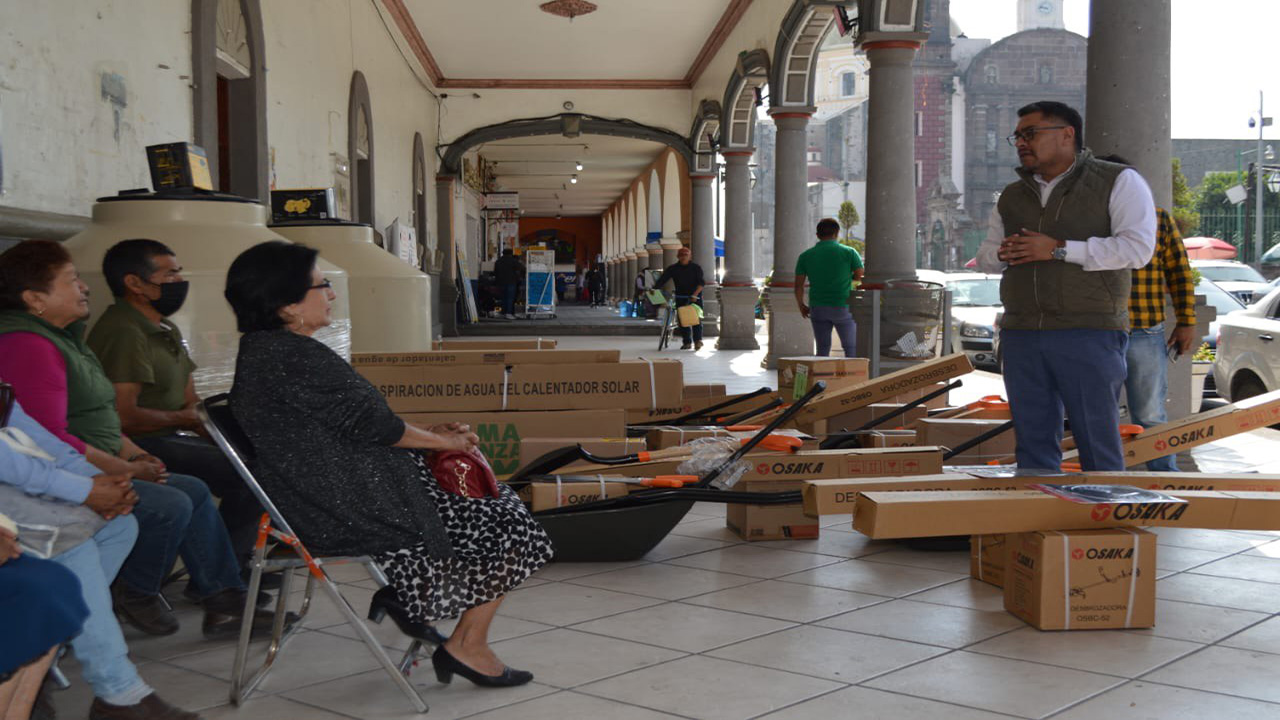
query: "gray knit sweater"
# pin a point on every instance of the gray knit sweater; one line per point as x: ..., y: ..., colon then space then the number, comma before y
x: 323, y: 438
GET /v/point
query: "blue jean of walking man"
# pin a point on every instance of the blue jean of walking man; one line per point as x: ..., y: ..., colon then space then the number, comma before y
x: 824, y: 319
x: 1147, y: 386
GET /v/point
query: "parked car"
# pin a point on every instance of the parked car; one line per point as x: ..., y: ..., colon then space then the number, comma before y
x: 1270, y: 263
x: 1248, y: 359
x: 975, y: 302
x: 1234, y: 277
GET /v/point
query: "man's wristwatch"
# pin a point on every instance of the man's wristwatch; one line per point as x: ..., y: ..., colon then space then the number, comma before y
x: 1060, y: 253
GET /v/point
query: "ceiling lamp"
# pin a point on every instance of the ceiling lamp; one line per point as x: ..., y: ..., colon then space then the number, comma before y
x: 577, y: 165
x: 568, y: 8
x: 574, y: 179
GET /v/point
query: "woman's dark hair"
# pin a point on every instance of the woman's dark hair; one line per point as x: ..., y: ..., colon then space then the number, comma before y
x: 29, y: 265
x: 265, y: 278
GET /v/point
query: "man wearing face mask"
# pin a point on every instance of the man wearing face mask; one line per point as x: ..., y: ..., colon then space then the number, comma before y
x: 143, y: 354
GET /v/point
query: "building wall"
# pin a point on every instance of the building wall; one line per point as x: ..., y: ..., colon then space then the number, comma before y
x: 933, y: 85
x: 1014, y: 64
x: 62, y: 142
x: 587, y: 232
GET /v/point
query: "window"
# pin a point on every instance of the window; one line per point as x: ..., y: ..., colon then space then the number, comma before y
x: 919, y: 124
x: 992, y: 74
x: 919, y: 173
x: 848, y: 84
x: 1046, y: 74
x: 992, y: 143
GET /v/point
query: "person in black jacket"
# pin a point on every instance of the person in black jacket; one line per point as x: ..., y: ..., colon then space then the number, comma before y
x: 351, y: 476
x: 595, y: 280
x: 508, y: 270
x: 688, y: 280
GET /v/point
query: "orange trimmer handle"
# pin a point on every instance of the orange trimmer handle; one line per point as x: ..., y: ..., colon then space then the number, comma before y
x: 669, y: 481
x: 1128, y: 431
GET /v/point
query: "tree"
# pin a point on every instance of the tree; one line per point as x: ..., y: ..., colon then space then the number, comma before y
x: 1184, y: 202
x: 848, y: 218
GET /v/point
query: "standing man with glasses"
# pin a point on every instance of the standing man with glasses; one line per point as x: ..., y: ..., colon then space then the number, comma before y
x: 1066, y: 236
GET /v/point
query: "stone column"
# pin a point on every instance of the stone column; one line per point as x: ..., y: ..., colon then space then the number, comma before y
x: 738, y: 291
x: 891, y: 190
x: 790, y: 335
x: 654, y: 250
x: 1128, y: 114
x: 448, y: 302
x: 611, y: 275
x: 670, y: 246
x: 702, y: 242
x: 627, y: 286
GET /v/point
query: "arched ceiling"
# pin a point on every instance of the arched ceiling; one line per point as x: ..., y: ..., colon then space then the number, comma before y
x: 540, y: 168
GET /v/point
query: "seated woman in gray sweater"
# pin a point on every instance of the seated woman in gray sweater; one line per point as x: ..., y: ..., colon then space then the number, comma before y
x: 352, y: 479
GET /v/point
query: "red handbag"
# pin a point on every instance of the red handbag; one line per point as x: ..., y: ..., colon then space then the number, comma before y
x: 464, y: 473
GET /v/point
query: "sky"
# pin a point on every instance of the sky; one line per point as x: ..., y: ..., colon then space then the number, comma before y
x: 1217, y: 69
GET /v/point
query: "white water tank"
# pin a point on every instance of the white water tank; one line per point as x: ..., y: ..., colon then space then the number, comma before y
x: 206, y: 233
x: 390, y: 300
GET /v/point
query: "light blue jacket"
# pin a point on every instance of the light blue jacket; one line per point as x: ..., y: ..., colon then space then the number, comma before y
x: 68, y: 477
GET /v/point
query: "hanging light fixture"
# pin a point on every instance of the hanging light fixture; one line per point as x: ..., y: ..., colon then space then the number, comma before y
x: 568, y: 8
x: 574, y: 179
x: 577, y: 165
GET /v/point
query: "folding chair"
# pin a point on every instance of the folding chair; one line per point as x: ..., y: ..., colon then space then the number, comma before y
x: 215, y: 414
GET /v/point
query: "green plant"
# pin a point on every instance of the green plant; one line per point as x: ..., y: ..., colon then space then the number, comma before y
x: 848, y: 217
x: 1203, y: 354
x: 1196, y: 276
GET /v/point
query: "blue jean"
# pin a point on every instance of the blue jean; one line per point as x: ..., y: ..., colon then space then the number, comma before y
x: 509, y: 299
x: 824, y: 319
x: 1147, y: 385
x: 100, y: 646
x: 180, y: 518
x: 1079, y: 371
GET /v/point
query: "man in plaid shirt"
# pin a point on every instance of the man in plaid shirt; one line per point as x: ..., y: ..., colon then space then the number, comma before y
x: 1148, y: 382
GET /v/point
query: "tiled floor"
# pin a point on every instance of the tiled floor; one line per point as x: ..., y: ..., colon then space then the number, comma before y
x: 707, y: 626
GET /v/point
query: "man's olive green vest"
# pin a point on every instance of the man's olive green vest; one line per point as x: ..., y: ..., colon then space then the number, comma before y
x: 91, y: 399
x: 1056, y: 295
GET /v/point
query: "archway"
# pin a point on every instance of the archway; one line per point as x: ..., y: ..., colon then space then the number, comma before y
x: 360, y: 150
x: 229, y: 94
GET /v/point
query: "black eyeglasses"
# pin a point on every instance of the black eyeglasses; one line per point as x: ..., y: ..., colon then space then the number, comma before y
x: 1030, y: 132
x: 324, y: 284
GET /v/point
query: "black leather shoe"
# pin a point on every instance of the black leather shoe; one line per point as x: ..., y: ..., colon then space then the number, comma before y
x: 447, y: 666
x: 385, y: 602
x: 151, y: 708
x: 189, y: 592
x: 223, y: 611
x: 148, y: 613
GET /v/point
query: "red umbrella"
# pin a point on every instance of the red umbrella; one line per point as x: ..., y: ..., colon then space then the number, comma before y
x: 1208, y: 248
x: 972, y: 263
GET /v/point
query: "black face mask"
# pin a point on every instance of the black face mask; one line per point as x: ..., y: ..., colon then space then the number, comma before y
x: 172, y: 295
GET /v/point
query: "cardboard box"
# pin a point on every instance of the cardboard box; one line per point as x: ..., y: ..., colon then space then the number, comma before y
x: 898, y: 384
x: 774, y: 466
x: 771, y: 522
x: 533, y: 448
x: 839, y: 496
x: 1250, y: 414
x: 547, y: 495
x: 1228, y: 482
x: 630, y: 384
x: 937, y: 403
x: 663, y: 437
x: 484, y: 357
x: 988, y: 555
x: 1082, y: 579
x: 533, y: 344
x: 641, y: 416
x: 502, y: 433
x: 705, y: 390
x: 797, y: 374
x: 891, y: 438
x: 855, y: 419
x: 884, y: 515
x: 952, y: 432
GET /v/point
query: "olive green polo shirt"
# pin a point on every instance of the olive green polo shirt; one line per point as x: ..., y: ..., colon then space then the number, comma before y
x: 133, y: 349
x: 829, y: 267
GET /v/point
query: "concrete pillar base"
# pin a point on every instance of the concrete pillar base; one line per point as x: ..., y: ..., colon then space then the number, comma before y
x: 738, y: 318
x: 790, y: 334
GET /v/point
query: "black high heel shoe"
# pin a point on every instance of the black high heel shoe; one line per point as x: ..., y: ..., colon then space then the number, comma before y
x: 447, y: 666
x: 385, y: 603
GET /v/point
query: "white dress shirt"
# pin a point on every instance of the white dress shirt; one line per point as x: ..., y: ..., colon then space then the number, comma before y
x: 1133, y: 228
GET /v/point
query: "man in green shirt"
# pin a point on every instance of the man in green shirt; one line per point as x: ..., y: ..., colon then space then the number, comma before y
x: 144, y: 355
x: 830, y: 269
